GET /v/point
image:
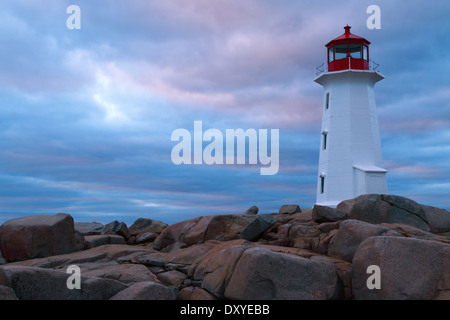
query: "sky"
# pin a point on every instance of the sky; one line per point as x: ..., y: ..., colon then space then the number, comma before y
x: 86, y: 115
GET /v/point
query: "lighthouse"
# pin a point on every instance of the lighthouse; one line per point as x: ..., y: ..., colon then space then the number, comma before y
x: 350, y: 158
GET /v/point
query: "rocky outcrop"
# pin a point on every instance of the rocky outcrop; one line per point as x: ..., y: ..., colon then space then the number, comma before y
x: 257, y: 227
x: 117, y: 228
x: 320, y: 253
x: 289, y: 209
x: 6, y: 293
x: 410, y: 269
x: 145, y: 291
x: 261, y: 274
x: 375, y: 209
x: 437, y: 219
x: 350, y: 235
x: 195, y: 293
x: 143, y: 225
x: 32, y: 283
x: 327, y: 214
x: 124, y: 272
x: 88, y: 228
x: 251, y: 211
x: 198, y: 230
x: 102, y: 239
x: 39, y: 236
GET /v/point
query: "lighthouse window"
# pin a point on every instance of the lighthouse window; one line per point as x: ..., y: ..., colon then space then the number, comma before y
x: 322, y: 184
x: 330, y: 55
x: 365, y: 53
x: 324, y: 140
x: 340, y: 51
x: 355, y: 50
x: 327, y: 101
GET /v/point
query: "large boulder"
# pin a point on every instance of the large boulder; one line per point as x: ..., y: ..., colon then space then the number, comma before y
x: 235, y: 270
x: 377, y: 208
x: 201, y: 229
x: 289, y: 209
x: 6, y: 293
x: 327, y: 214
x: 257, y: 227
x: 144, y: 225
x: 39, y: 236
x: 438, y: 219
x: 89, y: 228
x: 117, y: 228
x: 212, y: 268
x: 350, y: 234
x: 409, y: 269
x: 146, y: 237
x: 251, y: 211
x: 263, y: 274
x: 32, y: 283
x: 145, y: 291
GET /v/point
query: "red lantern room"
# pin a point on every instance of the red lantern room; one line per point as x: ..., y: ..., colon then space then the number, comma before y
x: 348, y: 51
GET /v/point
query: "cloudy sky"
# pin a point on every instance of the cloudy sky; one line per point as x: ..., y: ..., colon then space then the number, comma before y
x: 86, y: 116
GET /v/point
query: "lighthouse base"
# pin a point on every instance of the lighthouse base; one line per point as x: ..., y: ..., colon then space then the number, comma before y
x: 367, y: 179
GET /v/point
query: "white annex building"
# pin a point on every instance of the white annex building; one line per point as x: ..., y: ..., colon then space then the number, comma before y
x: 350, y: 160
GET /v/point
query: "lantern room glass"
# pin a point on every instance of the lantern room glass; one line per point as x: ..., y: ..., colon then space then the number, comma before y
x: 365, y: 57
x: 330, y: 55
x: 340, y: 51
x: 355, y: 50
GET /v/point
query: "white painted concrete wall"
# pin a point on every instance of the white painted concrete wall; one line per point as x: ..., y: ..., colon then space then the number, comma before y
x: 353, y: 138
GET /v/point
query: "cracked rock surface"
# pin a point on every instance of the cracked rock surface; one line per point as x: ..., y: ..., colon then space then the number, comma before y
x: 318, y: 254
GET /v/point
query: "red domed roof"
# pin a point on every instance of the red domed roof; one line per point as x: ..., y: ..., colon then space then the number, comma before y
x: 347, y: 37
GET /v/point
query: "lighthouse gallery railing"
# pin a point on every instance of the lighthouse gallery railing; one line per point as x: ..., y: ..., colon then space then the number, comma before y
x: 373, y: 66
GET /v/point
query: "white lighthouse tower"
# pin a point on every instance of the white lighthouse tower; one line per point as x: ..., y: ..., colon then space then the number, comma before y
x: 350, y: 160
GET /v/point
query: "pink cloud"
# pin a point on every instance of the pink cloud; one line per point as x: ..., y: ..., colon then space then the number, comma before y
x: 413, y: 170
